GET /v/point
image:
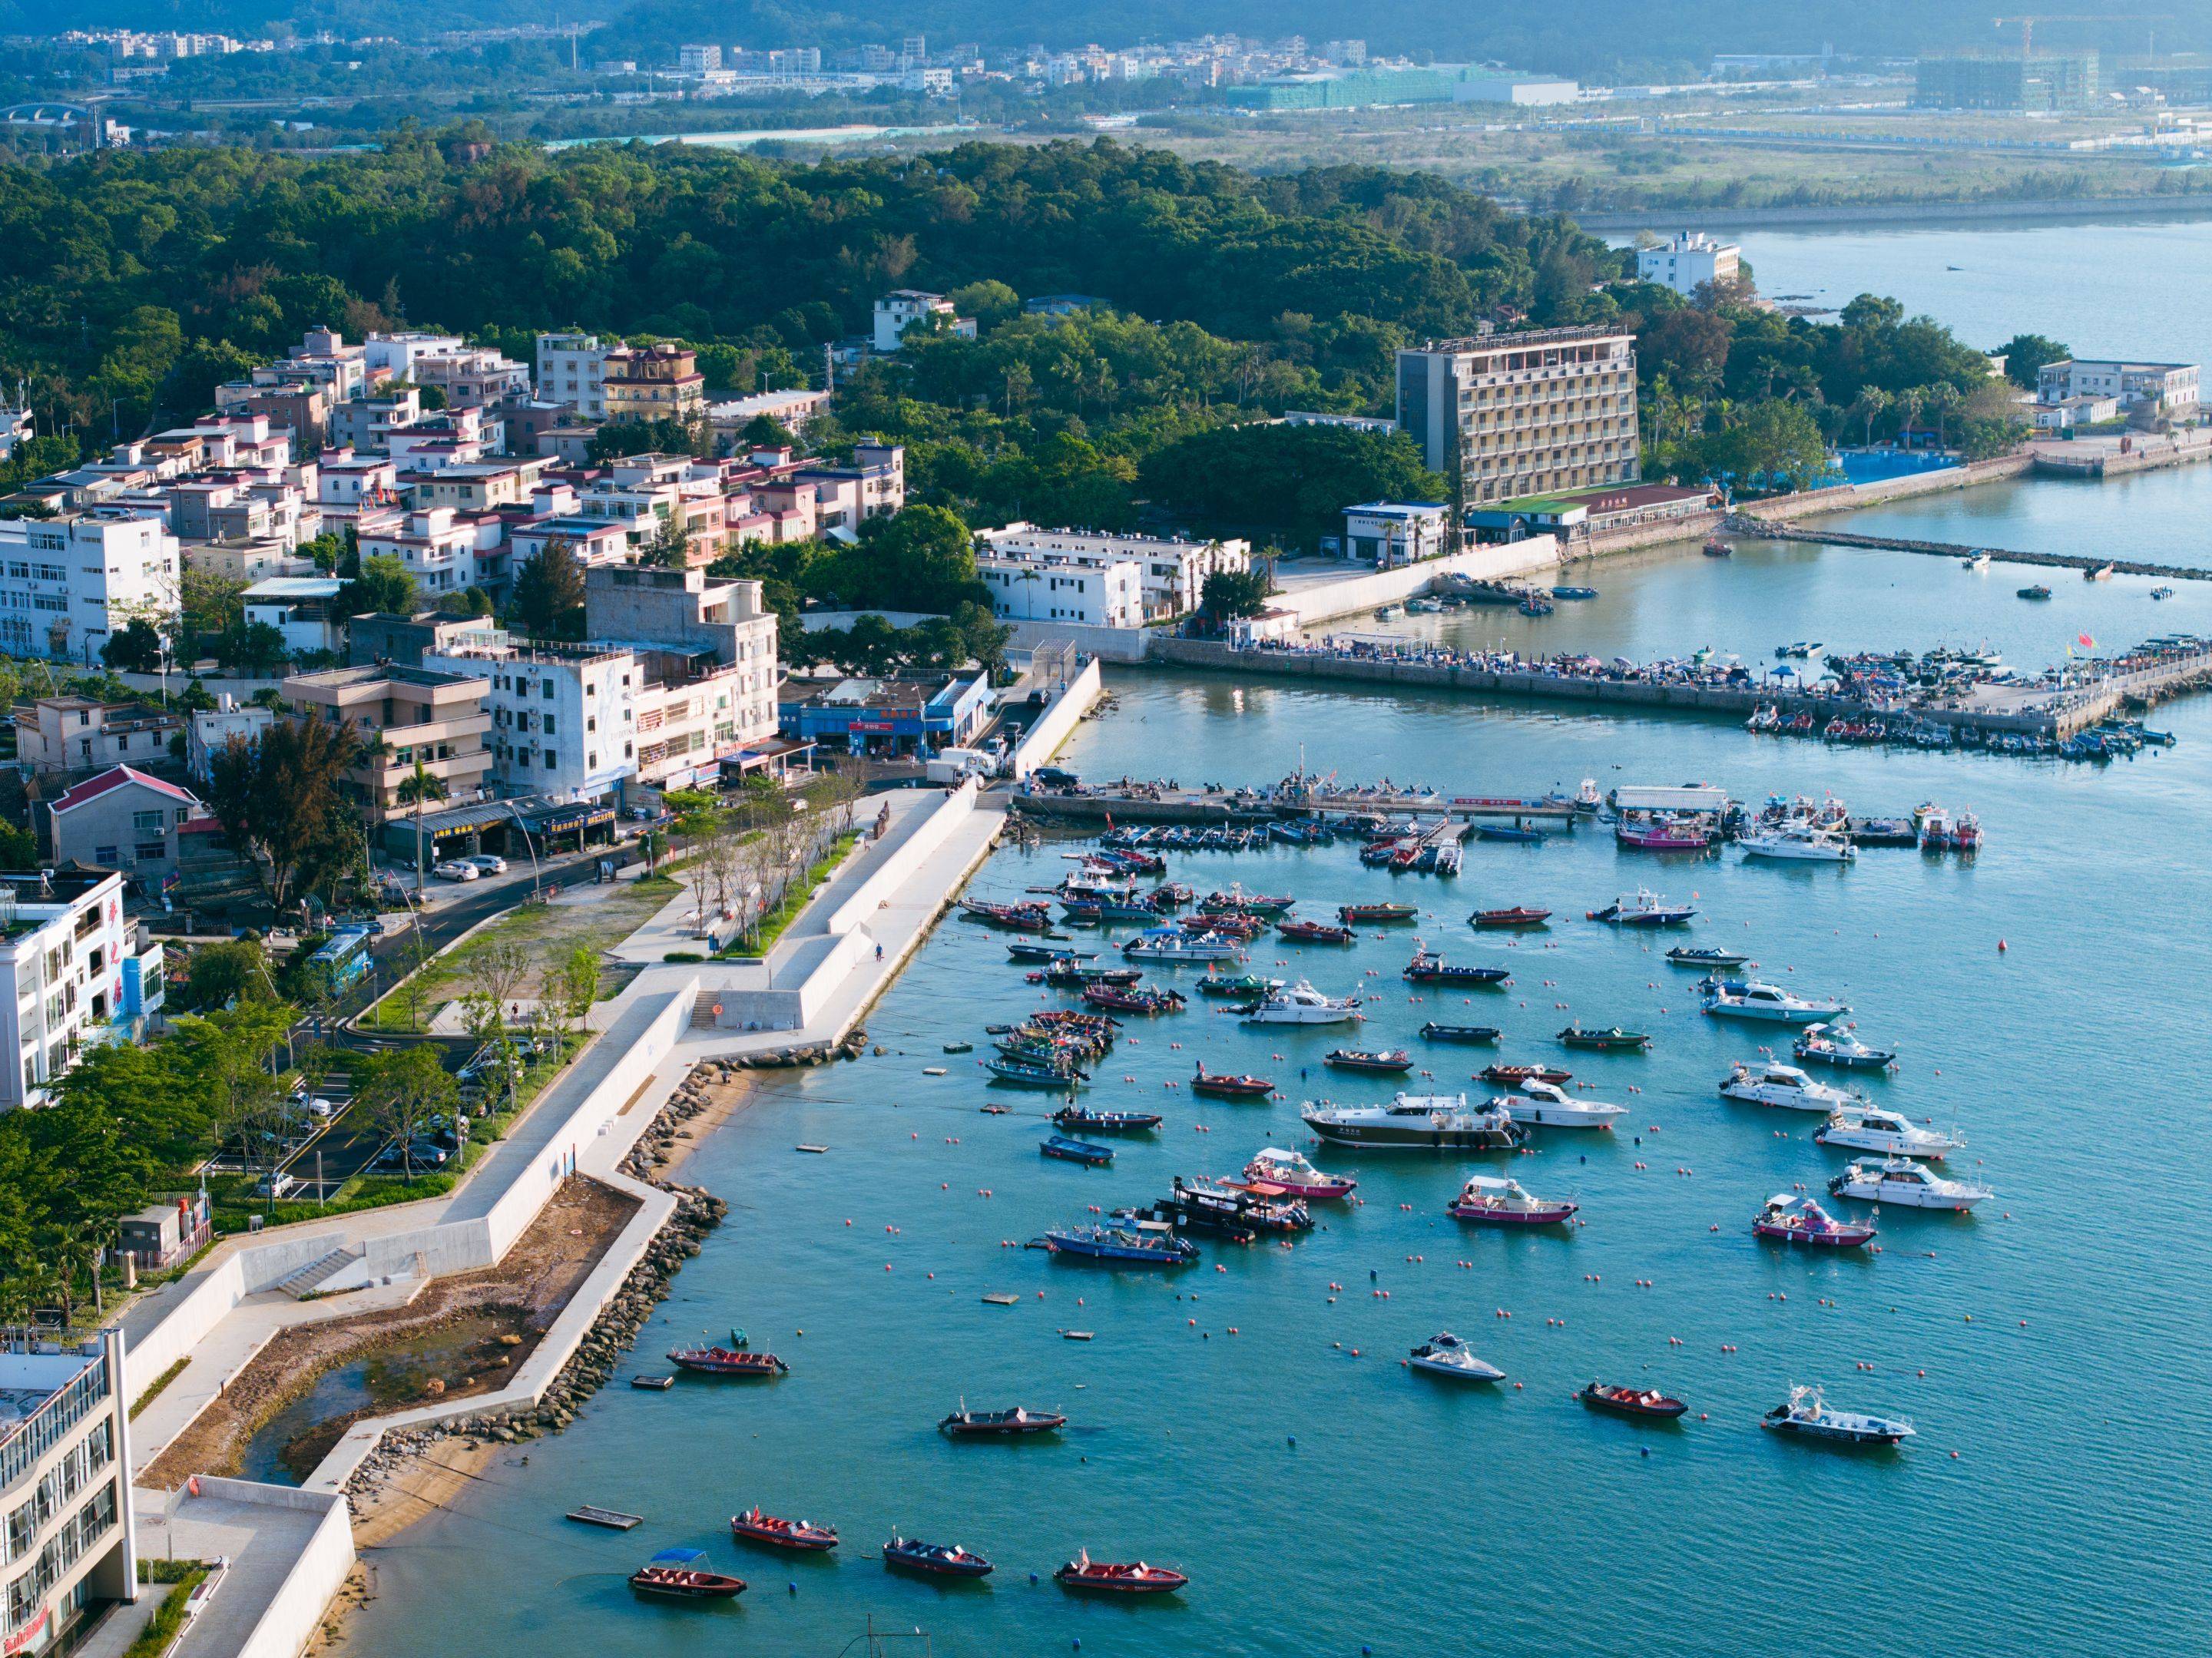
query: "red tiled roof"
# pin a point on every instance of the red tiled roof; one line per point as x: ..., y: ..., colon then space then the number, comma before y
x: 92, y: 787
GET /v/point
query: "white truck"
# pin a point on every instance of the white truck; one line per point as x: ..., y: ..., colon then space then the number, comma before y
x: 954, y: 766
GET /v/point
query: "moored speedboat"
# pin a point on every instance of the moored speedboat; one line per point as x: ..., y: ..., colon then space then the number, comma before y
x: 1631, y: 1401
x: 1313, y: 932
x: 1353, y: 1059
x: 1428, y: 968
x: 1643, y: 909
x: 1809, y: 1415
x: 1229, y: 1087
x: 1907, y: 1184
x: 1612, y: 1040
x: 1513, y: 1076
x: 1802, y: 843
x: 1520, y: 915
x: 1168, y: 946
x: 1109, y: 1577
x: 676, y: 1574
x: 1478, y: 1034
x: 1760, y: 1000
x: 1244, y: 987
x: 1546, y: 1105
x: 1025, y: 1072
x: 939, y: 1559
x: 1783, y: 1085
x: 1354, y: 915
x: 1079, y: 1119
x: 1071, y: 1150
x: 1794, y: 1218
x: 754, y: 1526
x: 1277, y: 1172
x: 1488, y: 1200
x: 1445, y: 1354
x: 1301, y: 1004
x: 1859, y: 1126
x: 727, y: 1361
x: 1115, y: 999
x: 1683, y: 956
x: 1436, y: 1122
x: 1242, y: 1211
x: 1014, y: 1424
x: 1121, y: 1246
x: 1048, y: 953
x: 1840, y: 1047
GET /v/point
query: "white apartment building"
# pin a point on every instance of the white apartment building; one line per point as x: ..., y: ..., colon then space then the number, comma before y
x: 2166, y: 388
x: 69, y: 975
x: 1524, y: 414
x: 698, y: 59
x: 1172, y: 572
x: 1389, y: 534
x: 572, y: 368
x: 1091, y: 592
x: 68, y: 583
x: 904, y: 307
x: 1688, y: 262
x: 68, y: 1539
x: 564, y: 717
x: 444, y: 551
x: 394, y: 355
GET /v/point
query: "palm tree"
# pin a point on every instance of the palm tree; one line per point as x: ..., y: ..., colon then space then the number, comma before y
x: 418, y: 790
x: 1871, y: 403
x: 1944, y: 399
x: 1911, y: 401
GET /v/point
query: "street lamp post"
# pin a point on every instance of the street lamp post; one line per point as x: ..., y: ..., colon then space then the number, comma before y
x: 537, y: 871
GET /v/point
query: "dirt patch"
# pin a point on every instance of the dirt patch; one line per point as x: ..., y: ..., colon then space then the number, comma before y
x: 520, y: 1298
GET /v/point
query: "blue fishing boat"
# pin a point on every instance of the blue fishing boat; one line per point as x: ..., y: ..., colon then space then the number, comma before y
x: 1574, y: 593
x: 1125, y: 1246
x: 1027, y: 1073
x: 1507, y: 832
x: 1068, y: 1150
x: 939, y: 1559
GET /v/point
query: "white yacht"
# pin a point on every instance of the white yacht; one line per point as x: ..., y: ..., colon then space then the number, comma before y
x: 1415, y: 1122
x: 1909, y: 1185
x: 1862, y: 1127
x: 1808, y: 1413
x: 1785, y: 1086
x: 1445, y: 1354
x: 1757, y: 999
x: 1301, y: 1004
x: 1798, y: 842
x: 1540, y: 1104
x: 1172, y: 945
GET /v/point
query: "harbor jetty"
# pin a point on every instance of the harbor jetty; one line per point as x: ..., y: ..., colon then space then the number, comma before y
x: 1749, y: 524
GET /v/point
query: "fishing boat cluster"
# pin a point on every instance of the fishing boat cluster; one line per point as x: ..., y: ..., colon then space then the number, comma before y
x: 1890, y: 1159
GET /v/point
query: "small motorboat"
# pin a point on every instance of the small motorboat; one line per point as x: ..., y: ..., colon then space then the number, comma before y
x: 2038, y: 592
x: 1784, y: 1086
x: 1356, y: 914
x: 1795, y: 1217
x: 1226, y: 1087
x: 1513, y: 1076
x: 1840, y: 1047
x: 1643, y: 908
x: 1908, y: 1184
x: 754, y: 1526
x: 1445, y: 1354
x: 1716, y: 547
x: 1757, y: 999
x: 1071, y: 1151
x: 1015, y: 1424
x: 1546, y: 1105
x: 727, y: 1361
x: 1244, y: 987
x: 1171, y: 946
x: 1427, y: 968
x: 1018, y: 918
x: 1808, y: 1415
x: 1574, y: 593
x: 1489, y: 1200
x: 1079, y: 1120
x: 1355, y: 1059
x: 1508, y: 832
x: 1119, y: 1245
x: 1025, y: 951
x: 937, y: 1559
x: 1520, y: 915
x: 1631, y: 1401
x: 1115, y: 999
x: 1274, y: 1172
x: 1112, y: 1577
x: 1027, y: 1073
x: 1241, y: 1212
x: 677, y: 1575
x: 1683, y: 956
x: 1612, y: 1040
x: 1859, y: 1126
x: 1313, y: 932
x: 1477, y: 1034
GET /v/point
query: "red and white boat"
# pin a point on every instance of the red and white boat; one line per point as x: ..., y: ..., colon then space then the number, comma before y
x: 727, y: 1361
x: 1794, y: 1218
x: 754, y: 1526
x: 1226, y: 1087
x: 1117, y: 1577
x: 1491, y: 1200
x: 1277, y: 1172
x: 1519, y: 916
x: 677, y: 1575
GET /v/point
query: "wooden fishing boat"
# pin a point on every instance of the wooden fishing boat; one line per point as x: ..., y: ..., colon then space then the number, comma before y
x: 1111, y: 1577
x: 1519, y: 916
x: 1229, y: 1087
x: 1512, y: 1075
x: 1069, y: 1150
x: 1015, y: 1424
x: 727, y: 1361
x: 1353, y: 1059
x: 1631, y: 1401
x: 1612, y: 1040
x: 1357, y: 914
x: 937, y: 1559
x: 1476, y: 1034
x: 676, y: 1574
x: 1105, y: 1122
x: 1313, y: 932
x: 754, y: 1526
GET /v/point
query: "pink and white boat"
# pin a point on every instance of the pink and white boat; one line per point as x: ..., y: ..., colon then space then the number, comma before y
x: 1662, y: 834
x: 1489, y: 1200
x: 1793, y: 1218
x: 1275, y: 1172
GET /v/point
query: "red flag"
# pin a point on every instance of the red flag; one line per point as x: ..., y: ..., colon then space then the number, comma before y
x: 2087, y: 643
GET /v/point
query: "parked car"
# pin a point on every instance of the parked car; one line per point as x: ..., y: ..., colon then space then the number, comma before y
x: 490, y: 863
x: 273, y: 1186
x: 456, y: 870
x: 426, y: 1152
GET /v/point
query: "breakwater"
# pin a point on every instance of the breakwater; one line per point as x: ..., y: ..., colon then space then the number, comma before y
x: 1762, y: 529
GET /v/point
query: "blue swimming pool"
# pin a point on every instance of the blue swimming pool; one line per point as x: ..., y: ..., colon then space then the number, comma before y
x: 1872, y: 465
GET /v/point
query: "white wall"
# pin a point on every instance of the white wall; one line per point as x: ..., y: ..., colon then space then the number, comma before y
x: 909, y: 856
x: 1052, y: 728
x: 295, y: 1611
x: 1319, y: 601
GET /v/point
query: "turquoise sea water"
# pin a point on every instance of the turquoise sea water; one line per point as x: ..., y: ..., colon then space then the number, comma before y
x: 2054, y: 1340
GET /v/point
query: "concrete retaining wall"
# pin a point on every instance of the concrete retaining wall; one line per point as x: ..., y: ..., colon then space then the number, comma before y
x: 906, y: 858
x: 1848, y: 497
x: 1318, y: 601
x: 1115, y: 644
x: 295, y: 1611
x: 1058, y: 722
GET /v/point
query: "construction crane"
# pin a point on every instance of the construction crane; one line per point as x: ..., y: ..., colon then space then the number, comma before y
x: 2027, y: 24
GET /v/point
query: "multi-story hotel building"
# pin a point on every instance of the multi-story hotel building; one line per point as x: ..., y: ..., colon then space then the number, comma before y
x: 1524, y: 414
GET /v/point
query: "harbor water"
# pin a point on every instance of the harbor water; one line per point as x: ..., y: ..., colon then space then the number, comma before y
x: 1253, y: 1426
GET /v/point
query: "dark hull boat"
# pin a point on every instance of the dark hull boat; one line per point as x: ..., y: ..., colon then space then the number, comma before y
x: 1683, y: 956
x: 727, y: 1361
x: 1474, y: 1034
x: 964, y: 1424
x: 1518, y: 916
x: 1512, y: 1075
x: 1313, y: 932
x: 1028, y: 953
x: 1075, y: 1118
x: 1427, y: 969
x: 1229, y: 1210
x: 1083, y: 1151
x: 1118, y: 1245
x: 1646, y: 1402
x: 1117, y: 1000
x: 1030, y: 1073
x: 1346, y: 1058
x: 754, y: 1526
x: 1230, y: 1087
x: 1100, y: 1577
x: 936, y: 1559
x: 1016, y: 918
x: 1613, y: 1040
x: 1353, y: 914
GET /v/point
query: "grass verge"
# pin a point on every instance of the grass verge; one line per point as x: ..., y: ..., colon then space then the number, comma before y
x: 154, y: 1390
x: 168, y: 1620
x: 773, y: 925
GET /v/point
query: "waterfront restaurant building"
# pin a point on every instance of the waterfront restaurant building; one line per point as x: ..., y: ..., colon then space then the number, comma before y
x: 886, y: 717
x: 1524, y: 414
x: 68, y: 1539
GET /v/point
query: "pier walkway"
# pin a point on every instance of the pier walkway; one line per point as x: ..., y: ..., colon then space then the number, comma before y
x: 1750, y: 524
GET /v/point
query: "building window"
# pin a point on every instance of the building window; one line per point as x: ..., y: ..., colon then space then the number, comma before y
x: 150, y: 852
x: 105, y: 855
x: 552, y: 760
